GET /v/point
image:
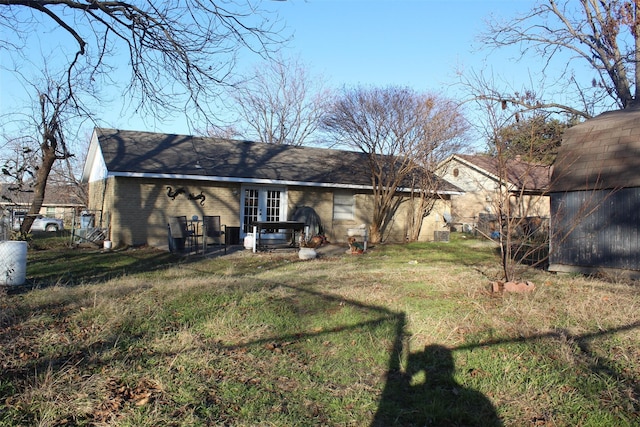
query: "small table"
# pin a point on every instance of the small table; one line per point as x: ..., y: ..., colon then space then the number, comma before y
x: 195, y: 228
x: 260, y: 226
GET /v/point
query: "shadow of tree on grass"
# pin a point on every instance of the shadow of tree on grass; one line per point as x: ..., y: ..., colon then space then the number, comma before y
x: 419, y: 387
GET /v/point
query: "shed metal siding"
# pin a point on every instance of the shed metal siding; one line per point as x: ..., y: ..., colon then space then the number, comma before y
x: 596, y: 228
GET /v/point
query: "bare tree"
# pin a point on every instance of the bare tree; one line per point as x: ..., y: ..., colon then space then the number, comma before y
x: 281, y: 103
x: 604, y: 35
x: 222, y: 131
x: 172, y: 50
x: 400, y: 131
x: 176, y: 52
x: 519, y: 205
x: 42, y: 153
x: 18, y: 166
x: 30, y: 175
x: 446, y: 131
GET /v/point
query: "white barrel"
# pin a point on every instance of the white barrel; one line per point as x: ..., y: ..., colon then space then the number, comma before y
x: 248, y: 241
x: 13, y: 262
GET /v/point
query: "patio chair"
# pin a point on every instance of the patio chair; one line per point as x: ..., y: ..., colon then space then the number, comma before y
x: 214, y: 230
x: 178, y: 233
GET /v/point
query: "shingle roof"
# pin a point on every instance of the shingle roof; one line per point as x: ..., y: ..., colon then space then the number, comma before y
x: 157, y: 154
x: 55, y: 195
x: 601, y: 153
x: 523, y: 175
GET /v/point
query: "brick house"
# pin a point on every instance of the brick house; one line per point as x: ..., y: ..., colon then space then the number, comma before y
x: 483, y: 180
x: 133, y: 177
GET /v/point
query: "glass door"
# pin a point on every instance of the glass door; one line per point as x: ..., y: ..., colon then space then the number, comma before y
x: 262, y: 204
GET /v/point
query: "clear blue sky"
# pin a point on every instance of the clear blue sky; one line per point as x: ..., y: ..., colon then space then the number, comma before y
x: 418, y: 43
x: 415, y: 43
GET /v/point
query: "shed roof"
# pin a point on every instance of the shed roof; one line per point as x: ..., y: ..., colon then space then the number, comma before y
x: 600, y: 153
x: 147, y: 154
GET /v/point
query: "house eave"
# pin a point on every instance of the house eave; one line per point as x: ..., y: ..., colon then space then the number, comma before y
x: 259, y: 181
x: 481, y: 170
x: 511, y: 186
x: 529, y: 192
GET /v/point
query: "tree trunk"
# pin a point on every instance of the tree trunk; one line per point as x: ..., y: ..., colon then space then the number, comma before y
x: 636, y: 34
x: 375, y: 234
x: 40, y: 185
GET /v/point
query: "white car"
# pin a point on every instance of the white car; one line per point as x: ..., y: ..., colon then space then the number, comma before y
x: 40, y: 223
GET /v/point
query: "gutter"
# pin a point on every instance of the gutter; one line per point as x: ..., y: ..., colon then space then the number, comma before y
x: 260, y: 181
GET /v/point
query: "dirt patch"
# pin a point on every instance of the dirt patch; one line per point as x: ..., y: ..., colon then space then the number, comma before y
x: 333, y: 250
x: 325, y: 250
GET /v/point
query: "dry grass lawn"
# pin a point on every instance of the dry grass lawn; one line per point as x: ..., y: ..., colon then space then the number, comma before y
x: 402, y: 335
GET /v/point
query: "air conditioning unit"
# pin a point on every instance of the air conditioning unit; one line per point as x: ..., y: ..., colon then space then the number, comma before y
x: 441, y: 236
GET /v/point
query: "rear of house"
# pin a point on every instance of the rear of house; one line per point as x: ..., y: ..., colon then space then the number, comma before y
x: 138, y: 180
x: 521, y: 188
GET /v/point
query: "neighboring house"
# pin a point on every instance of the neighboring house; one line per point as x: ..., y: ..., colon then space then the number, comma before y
x: 483, y: 180
x: 595, y: 196
x: 133, y: 176
x: 61, y: 201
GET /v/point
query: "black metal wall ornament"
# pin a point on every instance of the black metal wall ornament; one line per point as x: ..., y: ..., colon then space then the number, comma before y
x: 200, y: 197
x: 181, y: 190
x: 174, y: 194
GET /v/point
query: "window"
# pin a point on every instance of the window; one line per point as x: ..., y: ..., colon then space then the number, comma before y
x: 344, y: 205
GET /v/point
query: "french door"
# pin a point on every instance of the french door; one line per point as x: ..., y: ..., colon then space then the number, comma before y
x: 262, y: 204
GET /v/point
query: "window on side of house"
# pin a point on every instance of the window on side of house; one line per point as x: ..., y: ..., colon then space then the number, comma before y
x: 344, y: 205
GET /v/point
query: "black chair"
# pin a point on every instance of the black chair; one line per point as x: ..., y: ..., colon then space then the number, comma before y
x: 213, y: 230
x: 179, y: 233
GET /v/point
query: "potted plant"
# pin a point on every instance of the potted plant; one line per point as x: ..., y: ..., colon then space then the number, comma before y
x: 308, y: 247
